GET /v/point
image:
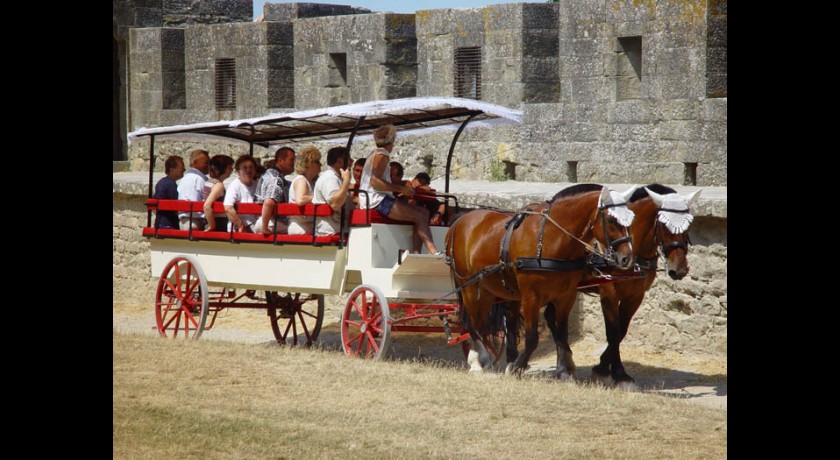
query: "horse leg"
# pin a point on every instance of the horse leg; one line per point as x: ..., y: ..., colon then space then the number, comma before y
x: 612, y: 326
x: 476, y: 309
x: 561, y: 310
x: 512, y: 320
x: 531, y: 316
x: 626, y: 310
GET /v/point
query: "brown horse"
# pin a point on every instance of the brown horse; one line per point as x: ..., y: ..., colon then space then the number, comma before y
x: 659, y: 228
x: 543, y: 262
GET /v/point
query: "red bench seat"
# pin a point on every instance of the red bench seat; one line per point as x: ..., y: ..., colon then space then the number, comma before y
x: 283, y: 209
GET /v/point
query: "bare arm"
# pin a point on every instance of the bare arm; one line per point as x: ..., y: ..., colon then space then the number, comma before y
x: 380, y: 168
x: 301, y: 197
x: 215, y: 193
x: 338, y: 197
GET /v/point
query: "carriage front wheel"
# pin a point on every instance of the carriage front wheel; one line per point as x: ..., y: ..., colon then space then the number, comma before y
x: 365, y: 326
x: 295, y: 318
x: 181, y: 302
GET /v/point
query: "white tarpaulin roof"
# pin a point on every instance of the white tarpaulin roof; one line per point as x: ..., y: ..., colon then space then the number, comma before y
x: 415, y: 115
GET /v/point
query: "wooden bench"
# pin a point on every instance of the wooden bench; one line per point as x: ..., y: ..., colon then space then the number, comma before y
x: 283, y: 209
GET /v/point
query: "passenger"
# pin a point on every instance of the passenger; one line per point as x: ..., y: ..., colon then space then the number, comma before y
x: 241, y: 190
x: 273, y: 188
x: 396, y: 170
x: 358, y: 166
x: 333, y: 188
x: 308, y: 166
x: 436, y: 209
x: 189, y: 189
x: 380, y: 190
x: 221, y: 166
x: 167, y: 189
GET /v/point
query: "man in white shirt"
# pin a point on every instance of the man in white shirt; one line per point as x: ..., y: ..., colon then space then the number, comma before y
x: 332, y: 187
x: 189, y: 189
x: 376, y: 180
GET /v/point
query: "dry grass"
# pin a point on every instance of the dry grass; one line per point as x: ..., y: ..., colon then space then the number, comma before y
x: 215, y: 399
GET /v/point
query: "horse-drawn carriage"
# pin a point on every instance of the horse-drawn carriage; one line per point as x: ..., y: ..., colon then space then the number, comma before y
x: 547, y: 252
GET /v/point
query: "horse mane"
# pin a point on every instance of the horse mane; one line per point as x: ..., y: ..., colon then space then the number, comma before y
x: 578, y: 189
x: 641, y: 193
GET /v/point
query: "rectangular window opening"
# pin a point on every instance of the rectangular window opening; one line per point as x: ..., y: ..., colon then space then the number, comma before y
x: 225, y: 83
x: 690, y: 174
x: 468, y: 72
x: 571, y: 171
x: 629, y: 68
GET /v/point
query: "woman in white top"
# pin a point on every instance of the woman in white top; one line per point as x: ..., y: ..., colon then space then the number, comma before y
x: 307, y: 165
x: 221, y: 167
x: 241, y: 190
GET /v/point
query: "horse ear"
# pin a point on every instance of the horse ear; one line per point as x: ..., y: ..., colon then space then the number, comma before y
x: 605, y: 197
x: 691, y: 198
x: 629, y: 192
x: 657, y: 198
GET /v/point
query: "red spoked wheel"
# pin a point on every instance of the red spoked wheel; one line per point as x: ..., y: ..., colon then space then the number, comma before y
x: 295, y: 318
x: 181, y: 300
x: 365, y: 326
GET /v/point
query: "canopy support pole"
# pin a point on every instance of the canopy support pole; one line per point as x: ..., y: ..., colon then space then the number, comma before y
x: 353, y: 134
x: 151, y: 177
x: 452, y: 149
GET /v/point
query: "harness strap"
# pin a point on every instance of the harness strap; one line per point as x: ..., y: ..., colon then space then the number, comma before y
x: 647, y: 263
x: 554, y: 265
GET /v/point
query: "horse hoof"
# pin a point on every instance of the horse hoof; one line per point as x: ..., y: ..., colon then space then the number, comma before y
x: 565, y: 377
x: 509, y: 369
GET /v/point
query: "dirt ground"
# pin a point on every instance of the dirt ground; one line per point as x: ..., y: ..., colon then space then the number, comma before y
x: 697, y: 379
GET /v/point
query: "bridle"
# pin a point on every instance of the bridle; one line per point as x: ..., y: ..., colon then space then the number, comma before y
x: 612, y: 245
x: 664, y: 249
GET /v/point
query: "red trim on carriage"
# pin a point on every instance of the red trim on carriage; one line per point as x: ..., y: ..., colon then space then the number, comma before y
x: 283, y: 209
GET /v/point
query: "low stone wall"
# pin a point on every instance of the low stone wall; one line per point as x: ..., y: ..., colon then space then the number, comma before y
x: 689, y: 315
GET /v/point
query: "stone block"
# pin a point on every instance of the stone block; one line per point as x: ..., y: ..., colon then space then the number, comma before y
x: 628, y: 28
x: 399, y: 25
x: 540, y: 42
x: 588, y: 90
x: 172, y: 39
x: 677, y: 109
x: 716, y: 60
x: 144, y: 39
x: 680, y: 130
x: 496, y: 17
x: 280, y: 57
x: 402, y: 53
x: 172, y: 61
x: 619, y: 11
x: 714, y: 109
x: 279, y: 33
x: 540, y: 16
x: 674, y: 87
x: 540, y: 69
x: 714, y: 131
x: 633, y: 111
x: 541, y: 92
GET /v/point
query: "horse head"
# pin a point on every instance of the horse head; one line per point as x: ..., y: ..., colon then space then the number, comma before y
x: 671, y: 229
x: 610, y: 227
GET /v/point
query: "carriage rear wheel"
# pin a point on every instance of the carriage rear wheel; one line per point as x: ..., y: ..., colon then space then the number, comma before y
x: 181, y: 300
x: 365, y: 326
x: 295, y: 318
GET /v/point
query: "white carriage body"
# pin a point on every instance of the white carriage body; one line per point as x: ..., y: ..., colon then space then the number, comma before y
x: 288, y: 267
x: 373, y: 260
x: 325, y: 269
